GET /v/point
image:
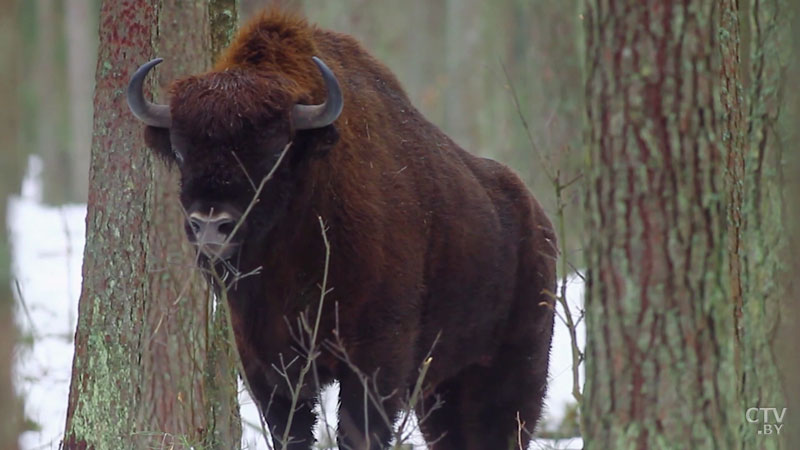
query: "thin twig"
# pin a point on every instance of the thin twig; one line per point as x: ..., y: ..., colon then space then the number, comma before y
x: 257, y: 194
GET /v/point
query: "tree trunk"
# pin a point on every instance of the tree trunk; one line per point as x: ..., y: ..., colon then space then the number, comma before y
x: 665, y: 300
x: 11, y: 168
x: 141, y: 369
x: 770, y: 243
x: 789, y: 332
x: 223, y: 357
x: 765, y: 249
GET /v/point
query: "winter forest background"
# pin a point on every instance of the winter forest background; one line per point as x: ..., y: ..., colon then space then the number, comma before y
x: 659, y: 135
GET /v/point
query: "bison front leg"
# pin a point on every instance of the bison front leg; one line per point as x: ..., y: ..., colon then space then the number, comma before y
x: 362, y: 424
x: 278, y: 413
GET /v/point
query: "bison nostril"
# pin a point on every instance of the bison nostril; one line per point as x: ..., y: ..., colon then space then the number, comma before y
x: 210, y: 229
x: 226, y: 227
x: 196, y: 225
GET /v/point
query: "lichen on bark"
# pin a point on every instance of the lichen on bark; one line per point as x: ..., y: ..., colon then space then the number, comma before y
x: 678, y: 314
x: 140, y: 372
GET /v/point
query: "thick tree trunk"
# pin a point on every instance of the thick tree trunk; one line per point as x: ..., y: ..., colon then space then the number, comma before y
x: 685, y: 232
x: 223, y: 15
x: 11, y: 168
x: 664, y: 298
x: 140, y: 373
x: 765, y: 246
x: 789, y: 332
x: 773, y: 265
x: 223, y: 358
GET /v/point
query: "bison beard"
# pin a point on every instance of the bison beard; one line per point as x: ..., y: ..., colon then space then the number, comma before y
x: 426, y: 239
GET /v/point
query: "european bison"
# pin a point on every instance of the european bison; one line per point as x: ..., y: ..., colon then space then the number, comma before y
x: 426, y: 239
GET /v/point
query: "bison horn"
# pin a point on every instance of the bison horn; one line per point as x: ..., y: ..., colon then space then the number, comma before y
x: 149, y: 113
x: 307, y: 117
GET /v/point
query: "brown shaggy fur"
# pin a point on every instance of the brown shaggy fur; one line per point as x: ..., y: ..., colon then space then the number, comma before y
x: 426, y: 239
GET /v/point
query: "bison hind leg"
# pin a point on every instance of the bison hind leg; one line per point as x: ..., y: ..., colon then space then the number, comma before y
x: 482, y: 407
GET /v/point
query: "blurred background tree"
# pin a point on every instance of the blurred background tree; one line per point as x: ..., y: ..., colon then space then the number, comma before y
x: 12, y: 166
x: 58, y: 51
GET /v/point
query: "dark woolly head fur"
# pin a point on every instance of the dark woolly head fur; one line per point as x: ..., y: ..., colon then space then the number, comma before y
x: 243, y: 105
x: 230, y: 124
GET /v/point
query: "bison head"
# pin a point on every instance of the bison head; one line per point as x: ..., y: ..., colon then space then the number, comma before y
x: 226, y: 131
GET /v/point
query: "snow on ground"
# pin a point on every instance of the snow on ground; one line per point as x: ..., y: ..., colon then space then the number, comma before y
x: 559, y: 394
x: 47, y: 250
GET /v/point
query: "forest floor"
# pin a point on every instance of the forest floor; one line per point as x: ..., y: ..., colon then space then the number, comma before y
x: 47, y: 246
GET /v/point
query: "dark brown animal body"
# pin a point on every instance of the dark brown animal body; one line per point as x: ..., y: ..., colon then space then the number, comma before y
x: 426, y: 240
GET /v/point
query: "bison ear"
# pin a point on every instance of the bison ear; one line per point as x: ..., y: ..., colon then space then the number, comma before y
x: 157, y: 139
x: 315, y: 143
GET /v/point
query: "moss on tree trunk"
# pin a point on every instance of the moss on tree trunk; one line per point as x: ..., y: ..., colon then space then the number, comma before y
x: 765, y: 232
x: 680, y: 301
x: 142, y: 349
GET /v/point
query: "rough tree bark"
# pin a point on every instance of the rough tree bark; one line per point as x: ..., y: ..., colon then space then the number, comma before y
x: 141, y: 374
x: 11, y: 170
x: 765, y: 250
x: 223, y: 358
x: 677, y: 342
x: 789, y: 332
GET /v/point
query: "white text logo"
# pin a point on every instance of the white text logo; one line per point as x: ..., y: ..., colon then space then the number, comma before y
x: 770, y: 419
